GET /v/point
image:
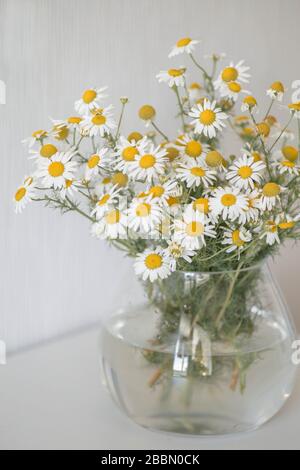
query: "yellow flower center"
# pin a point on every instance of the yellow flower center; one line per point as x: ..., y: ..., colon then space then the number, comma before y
x: 213, y: 159
x: 236, y: 239
x: 229, y: 74
x: 271, y: 226
x: 175, y: 72
x: 103, y: 200
x: 74, y: 120
x: 172, y: 201
x: 157, y: 191
x: 48, y: 150
x: 295, y: 106
x: 28, y: 181
x: 38, y: 134
x: 250, y: 101
x: 207, y: 117
x: 234, y: 87
x: 113, y: 217
x: 194, y: 229
x: 256, y: 157
x: 56, y: 169
x: 288, y: 163
x: 197, y: 171
x: 146, y: 112
x: 183, y: 42
x: 89, y: 96
x: 68, y: 183
x: 93, y: 161
x: 290, y: 153
x: 271, y: 189
x: 136, y: 136
x: 153, y: 261
x: 20, y: 193
x: 143, y: 210
x: 61, y: 132
x: 120, y: 179
x: 147, y: 161
x: 106, y: 180
x: 286, y: 225
x: 172, y: 153
x: 245, y: 172
x: 129, y: 153
x: 201, y: 205
x: 195, y: 86
x: 263, y: 129
x: 98, y: 120
x: 278, y: 87
x: 228, y: 200
x: 193, y: 149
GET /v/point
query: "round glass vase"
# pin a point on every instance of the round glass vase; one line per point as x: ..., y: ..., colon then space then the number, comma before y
x: 203, y: 353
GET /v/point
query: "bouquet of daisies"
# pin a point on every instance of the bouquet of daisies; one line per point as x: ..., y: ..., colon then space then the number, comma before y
x: 177, y: 202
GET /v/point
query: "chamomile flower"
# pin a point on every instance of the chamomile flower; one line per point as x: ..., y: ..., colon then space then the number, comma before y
x: 245, y: 172
x: 196, y: 173
x: 191, y: 229
x: 251, y: 211
x: 249, y: 103
x: 70, y: 187
x: 290, y: 153
x: 295, y: 109
x: 232, y: 91
x: 276, y: 91
x: 24, y: 194
x: 152, y: 265
x: 176, y: 251
x: 55, y: 170
x: 183, y: 45
x: 286, y: 221
x: 228, y: 202
x: 194, y: 91
x: 191, y: 148
x: 36, y: 136
x: 144, y: 216
x: 99, y: 123
x: 97, y: 161
x: 270, y: 230
x: 172, y: 76
x: 161, y: 192
x: 233, y: 73
x: 89, y: 100
x: 45, y: 151
x: 127, y: 151
x: 287, y: 167
x: 149, y: 164
x: 147, y: 113
x: 112, y: 225
x: 207, y: 118
x: 236, y: 238
x: 270, y: 195
x: 106, y: 201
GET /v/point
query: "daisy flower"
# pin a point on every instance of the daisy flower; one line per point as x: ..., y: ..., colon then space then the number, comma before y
x: 149, y: 164
x: 127, y: 151
x: 183, y: 45
x: 236, y: 238
x: 190, y: 231
x: 147, y: 114
x: 190, y: 148
x: 275, y: 91
x: 207, y: 118
x: 89, y: 100
x: 175, y: 251
x: 106, y: 201
x: 144, y: 215
x: 45, y: 151
x: 97, y: 161
x: 232, y: 73
x: 245, y: 172
x: 195, y: 173
x: 270, y: 195
x: 100, y: 122
x: 270, y: 231
x: 152, y: 265
x: 162, y: 192
x: 55, y: 170
x: 194, y: 91
x: 172, y: 76
x: 286, y: 221
x: 249, y: 103
x: 112, y: 225
x: 290, y: 153
x: 295, y: 109
x: 228, y: 202
x: 24, y: 194
x: 251, y: 212
x: 36, y: 136
x: 287, y: 166
x: 70, y: 187
x: 232, y: 90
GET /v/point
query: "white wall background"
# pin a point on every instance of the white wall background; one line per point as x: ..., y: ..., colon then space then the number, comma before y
x: 54, y: 277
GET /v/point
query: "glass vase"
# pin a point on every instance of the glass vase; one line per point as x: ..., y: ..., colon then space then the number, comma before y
x: 203, y: 353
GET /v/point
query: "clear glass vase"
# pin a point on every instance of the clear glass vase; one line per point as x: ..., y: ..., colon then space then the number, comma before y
x: 203, y: 353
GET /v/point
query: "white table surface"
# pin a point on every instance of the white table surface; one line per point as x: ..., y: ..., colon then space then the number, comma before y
x: 51, y: 397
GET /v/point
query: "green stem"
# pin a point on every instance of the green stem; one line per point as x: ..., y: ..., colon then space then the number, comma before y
x: 269, y: 109
x: 228, y: 296
x: 283, y: 130
x: 175, y: 88
x: 266, y: 152
x: 120, y: 121
x: 159, y: 131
